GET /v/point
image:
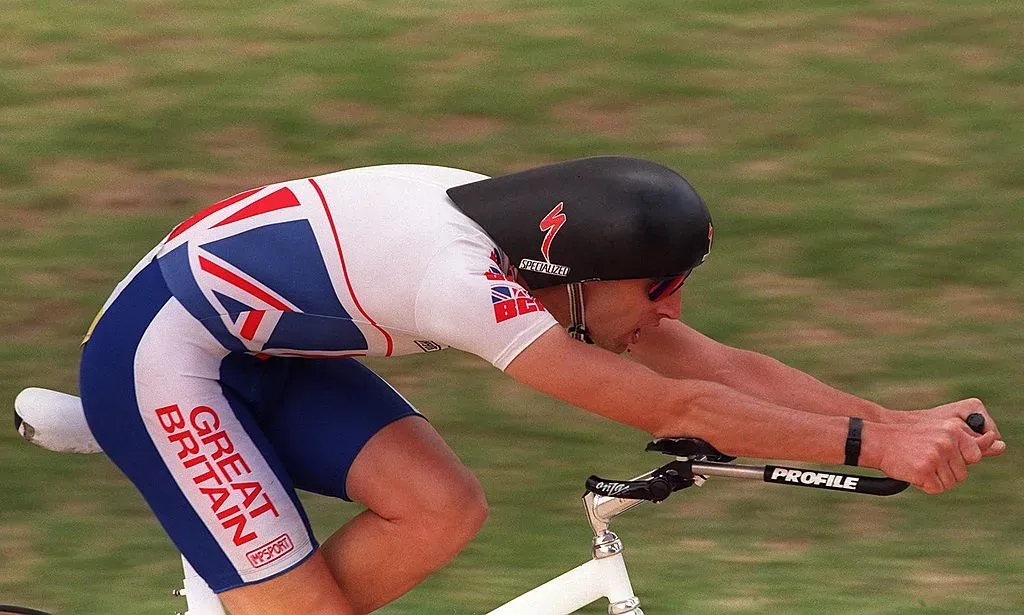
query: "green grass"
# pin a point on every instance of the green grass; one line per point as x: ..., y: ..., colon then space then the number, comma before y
x: 863, y: 165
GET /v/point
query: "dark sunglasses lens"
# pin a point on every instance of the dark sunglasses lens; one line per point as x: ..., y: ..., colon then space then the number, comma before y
x: 663, y: 288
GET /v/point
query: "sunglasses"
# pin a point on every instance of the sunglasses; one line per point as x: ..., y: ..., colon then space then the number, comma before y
x: 663, y: 287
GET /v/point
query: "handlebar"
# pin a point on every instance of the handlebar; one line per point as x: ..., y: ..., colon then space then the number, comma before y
x: 697, y: 459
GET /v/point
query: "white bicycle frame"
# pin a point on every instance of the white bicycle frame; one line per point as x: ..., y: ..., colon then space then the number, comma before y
x: 604, y: 576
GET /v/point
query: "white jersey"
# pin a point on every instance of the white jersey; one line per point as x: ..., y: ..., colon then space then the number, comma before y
x: 371, y: 261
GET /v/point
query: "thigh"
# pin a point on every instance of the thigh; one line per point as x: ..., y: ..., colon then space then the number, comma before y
x: 323, y: 416
x: 152, y: 397
x: 407, y: 470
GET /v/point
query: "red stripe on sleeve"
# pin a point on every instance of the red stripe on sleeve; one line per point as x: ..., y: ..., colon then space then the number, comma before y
x: 278, y: 199
x: 212, y: 209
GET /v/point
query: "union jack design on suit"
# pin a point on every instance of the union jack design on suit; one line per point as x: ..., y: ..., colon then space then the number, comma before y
x: 264, y: 272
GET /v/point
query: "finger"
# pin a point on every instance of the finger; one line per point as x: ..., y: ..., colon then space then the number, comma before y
x: 991, y: 427
x: 986, y: 443
x: 958, y: 468
x: 997, y: 447
x: 945, y: 475
x: 970, y: 449
x: 990, y: 442
x: 931, y: 487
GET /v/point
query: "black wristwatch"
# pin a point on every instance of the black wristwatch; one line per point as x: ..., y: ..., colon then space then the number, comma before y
x: 853, y: 441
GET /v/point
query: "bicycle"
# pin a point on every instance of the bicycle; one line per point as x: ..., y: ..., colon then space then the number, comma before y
x: 55, y: 421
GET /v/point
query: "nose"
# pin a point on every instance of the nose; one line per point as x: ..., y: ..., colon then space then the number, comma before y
x: 670, y: 306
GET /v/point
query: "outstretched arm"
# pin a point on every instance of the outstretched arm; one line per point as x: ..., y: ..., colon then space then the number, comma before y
x: 677, y: 351
x: 932, y: 455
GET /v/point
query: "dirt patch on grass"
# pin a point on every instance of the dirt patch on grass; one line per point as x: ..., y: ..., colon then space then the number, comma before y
x: 753, y: 604
x: 786, y: 549
x: 30, y: 322
x: 41, y: 54
x: 604, y: 119
x: 482, y: 17
x: 911, y: 396
x: 243, y: 144
x: 974, y: 58
x: 978, y: 304
x: 685, y: 137
x: 20, y: 558
x: 437, y: 75
x: 784, y: 54
x: 460, y: 128
x: 761, y: 169
x: 112, y: 187
x: 26, y: 220
x: 938, y: 585
x: 865, y: 518
x: 349, y: 112
x: 875, y: 319
x: 868, y: 28
x: 780, y: 285
x: 697, y: 545
x: 256, y: 49
x: 797, y: 335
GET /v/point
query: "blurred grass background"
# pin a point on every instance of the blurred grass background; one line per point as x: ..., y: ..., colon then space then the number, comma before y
x: 862, y: 159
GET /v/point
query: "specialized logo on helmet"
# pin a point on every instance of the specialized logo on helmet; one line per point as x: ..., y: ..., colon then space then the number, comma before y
x: 550, y: 224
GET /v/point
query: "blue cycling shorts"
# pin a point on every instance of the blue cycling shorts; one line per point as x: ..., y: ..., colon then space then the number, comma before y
x: 218, y: 442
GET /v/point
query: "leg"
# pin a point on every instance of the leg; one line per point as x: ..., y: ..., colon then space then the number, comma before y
x: 342, y: 431
x: 308, y: 588
x: 424, y: 506
x: 153, y: 398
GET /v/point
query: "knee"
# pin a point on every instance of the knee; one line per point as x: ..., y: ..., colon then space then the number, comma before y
x: 457, y: 506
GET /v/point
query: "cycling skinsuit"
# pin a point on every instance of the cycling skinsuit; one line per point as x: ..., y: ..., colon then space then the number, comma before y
x: 220, y: 375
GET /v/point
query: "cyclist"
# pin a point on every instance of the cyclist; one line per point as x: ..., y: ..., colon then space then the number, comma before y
x: 220, y: 375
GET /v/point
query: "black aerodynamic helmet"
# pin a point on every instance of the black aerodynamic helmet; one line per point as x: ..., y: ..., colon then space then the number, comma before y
x: 601, y: 218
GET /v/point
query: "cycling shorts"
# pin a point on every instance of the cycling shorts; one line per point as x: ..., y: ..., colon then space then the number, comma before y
x: 218, y: 442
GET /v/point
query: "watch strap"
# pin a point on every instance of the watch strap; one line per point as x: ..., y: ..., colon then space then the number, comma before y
x: 853, y: 441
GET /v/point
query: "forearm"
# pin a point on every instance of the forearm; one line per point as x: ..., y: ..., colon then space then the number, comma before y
x: 767, y: 378
x: 677, y: 351
x: 743, y: 425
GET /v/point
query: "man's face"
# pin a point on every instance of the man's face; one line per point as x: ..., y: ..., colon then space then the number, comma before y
x: 617, y: 312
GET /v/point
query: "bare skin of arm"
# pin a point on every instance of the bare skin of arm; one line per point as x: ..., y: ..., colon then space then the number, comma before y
x: 745, y: 419
x: 677, y: 351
